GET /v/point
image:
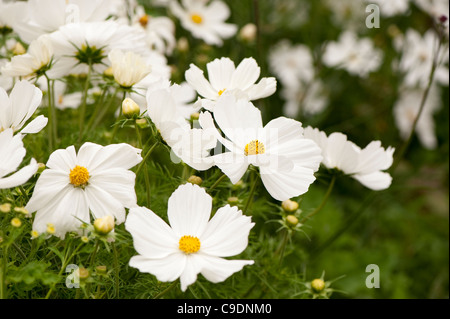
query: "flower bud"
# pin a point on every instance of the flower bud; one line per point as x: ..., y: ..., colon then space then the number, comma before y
x: 108, y: 72
x: 34, y: 234
x: 183, y: 44
x: 130, y: 108
x: 19, y: 49
x: 5, y: 208
x: 85, y: 239
x: 50, y: 228
x: 289, y: 205
x: 41, y: 167
x: 101, y: 270
x: 23, y: 211
x: 233, y: 200
x: 104, y: 225
x: 195, y: 116
x: 195, y: 180
x: 83, y: 273
x: 16, y: 222
x: 291, y: 220
x: 248, y: 32
x: 318, y: 285
x: 141, y: 123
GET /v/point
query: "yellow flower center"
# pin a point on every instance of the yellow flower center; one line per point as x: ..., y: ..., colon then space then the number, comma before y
x: 79, y: 176
x: 254, y: 148
x: 189, y: 244
x: 221, y: 91
x: 196, y: 18
x: 144, y: 20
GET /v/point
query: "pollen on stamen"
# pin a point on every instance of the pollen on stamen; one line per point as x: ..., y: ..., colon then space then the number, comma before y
x: 221, y: 91
x: 254, y: 148
x: 189, y: 244
x: 196, y: 18
x: 79, y: 176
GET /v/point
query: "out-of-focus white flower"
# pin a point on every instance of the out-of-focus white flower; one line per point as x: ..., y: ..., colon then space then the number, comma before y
x: 365, y: 165
x: 6, y: 82
x: 418, y: 53
x: 17, y: 108
x: 224, y: 77
x: 406, y: 110
x: 78, y: 44
x: 34, y: 63
x: 435, y: 8
x: 291, y: 64
x: 45, y: 16
x: 193, y: 244
x: 248, y: 32
x: 389, y: 8
x: 192, y: 145
x: 306, y: 99
x: 348, y: 14
x: 128, y: 68
x: 356, y: 56
x: 12, y: 153
x: 286, y: 160
x: 160, y: 30
x: 205, y: 20
x: 10, y: 12
x: 97, y: 179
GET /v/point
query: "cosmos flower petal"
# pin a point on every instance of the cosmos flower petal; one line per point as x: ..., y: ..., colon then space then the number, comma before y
x: 35, y: 125
x: 196, y: 79
x: 20, y: 177
x: 232, y: 164
x: 217, y: 269
x: 220, y: 73
x: 188, y: 210
x: 247, y: 72
x: 63, y: 159
x: 116, y: 155
x: 194, y: 264
x: 152, y: 237
x: 25, y: 98
x: 103, y: 203
x: 375, y: 181
x: 227, y: 233
x: 165, y: 269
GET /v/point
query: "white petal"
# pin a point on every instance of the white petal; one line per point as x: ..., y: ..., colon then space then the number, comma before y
x: 165, y: 269
x: 20, y: 177
x: 246, y: 74
x: 189, y: 209
x: 116, y: 156
x: 227, y: 233
x: 220, y: 72
x: 63, y: 159
x: 218, y: 269
x: 35, y: 125
x: 194, y: 264
x: 195, y: 78
x: 232, y: 164
x: 152, y: 237
x: 102, y: 203
x: 264, y: 88
x: 375, y: 181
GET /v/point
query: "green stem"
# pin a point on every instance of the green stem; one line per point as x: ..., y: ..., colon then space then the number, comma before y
x: 324, y: 200
x: 50, y: 114
x: 116, y: 127
x: 4, y: 262
x: 421, y: 107
x: 103, y: 111
x: 116, y: 269
x: 280, y: 251
x: 84, y: 104
x: 146, y: 177
x: 252, y: 191
x: 162, y: 293
x: 217, y: 182
x: 145, y: 158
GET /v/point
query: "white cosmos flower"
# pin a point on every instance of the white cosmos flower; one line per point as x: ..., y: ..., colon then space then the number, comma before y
x: 306, y: 99
x: 97, y: 179
x: 391, y: 8
x: 364, y: 165
x: 160, y: 30
x: 74, y: 44
x: 286, y: 160
x: 193, y: 244
x: 225, y: 77
x: 418, y: 53
x: 10, y: 12
x: 192, y: 145
x: 356, y: 56
x: 128, y: 67
x: 37, y: 59
x: 17, y: 108
x: 205, y: 20
x: 39, y: 17
x: 406, y: 110
x: 12, y: 153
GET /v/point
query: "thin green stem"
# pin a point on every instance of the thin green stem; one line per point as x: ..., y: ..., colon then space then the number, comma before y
x: 116, y: 269
x: 324, y: 200
x: 50, y: 100
x: 146, y: 177
x: 4, y: 262
x: 252, y: 191
x: 162, y: 293
x: 217, y: 182
x: 95, y: 121
x: 84, y: 104
x: 147, y: 155
x: 116, y: 127
x: 280, y: 251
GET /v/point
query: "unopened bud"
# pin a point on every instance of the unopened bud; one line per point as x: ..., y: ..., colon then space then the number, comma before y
x: 41, y: 167
x: 130, y: 108
x: 34, y: 234
x: 195, y: 180
x: 104, y: 225
x: 318, y: 285
x: 141, y: 123
x: 85, y: 239
x: 109, y: 72
x: 195, y: 116
x: 289, y: 205
x: 233, y: 200
x: 5, y: 208
x: 183, y: 44
x: 101, y: 270
x: 248, y: 32
x: 22, y: 210
x: 16, y: 222
x: 292, y: 220
x: 50, y: 228
x: 83, y: 273
x: 19, y: 49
